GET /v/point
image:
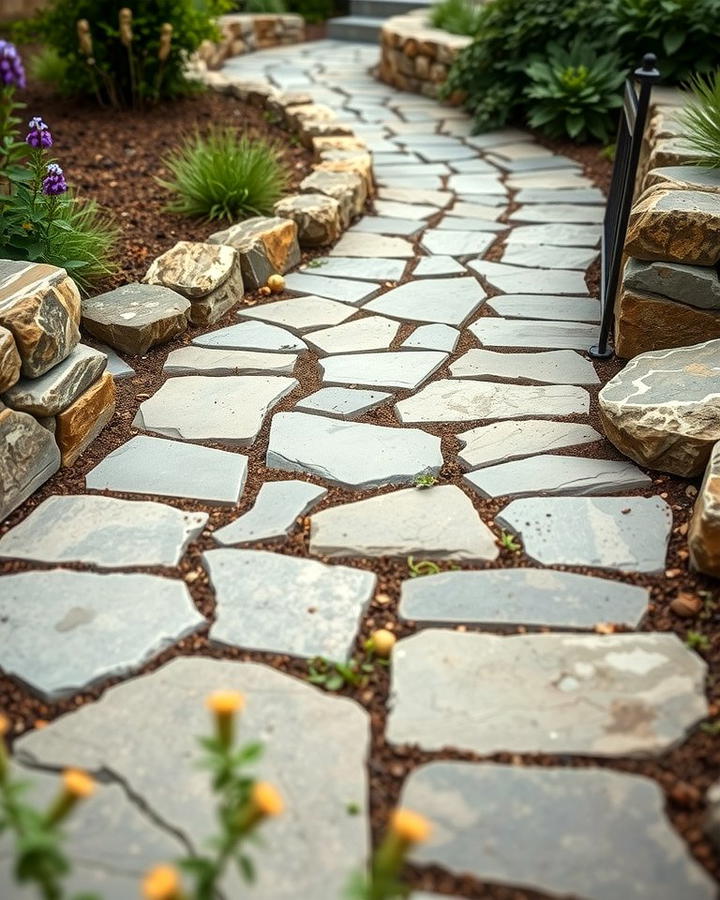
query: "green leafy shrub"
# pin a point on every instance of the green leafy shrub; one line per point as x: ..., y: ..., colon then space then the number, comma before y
x: 221, y: 176
x: 456, y: 16
x: 262, y: 6
x: 49, y: 67
x: 701, y: 119
x: 575, y: 92
x: 312, y: 11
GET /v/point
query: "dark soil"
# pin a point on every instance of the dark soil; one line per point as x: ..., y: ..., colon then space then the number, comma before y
x: 684, y: 774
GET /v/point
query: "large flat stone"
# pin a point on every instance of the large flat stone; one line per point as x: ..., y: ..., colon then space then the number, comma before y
x: 557, y: 234
x: 551, y: 367
x: 277, y: 507
x: 496, y: 332
x: 153, y: 466
x: 358, y: 243
x: 543, y: 256
x: 521, y: 280
x: 157, y: 718
x: 645, y: 322
x: 540, y: 306
x: 548, y: 474
x: 345, y: 403
x: 343, y: 289
x: 676, y: 226
x: 358, y: 336
x: 439, y: 522
x: 265, y: 246
x: 301, y: 314
x: 397, y: 369
x: 558, y: 212
x: 531, y: 693
x: 194, y: 360
x: 433, y: 337
x: 488, y: 445
x: 230, y: 409
x: 615, y: 837
x: 416, y: 195
x: 252, y: 336
x: 388, y: 225
x: 562, y: 197
x: 358, y: 268
x: 456, y: 400
x: 451, y: 222
x: 73, y: 629
x: 534, y: 597
x: 351, y: 454
x: 629, y: 534
x: 103, y: 531
x: 447, y: 300
x: 28, y: 457
x: 457, y: 243
x: 695, y: 285
x: 282, y: 604
x: 404, y: 210
x: 437, y: 266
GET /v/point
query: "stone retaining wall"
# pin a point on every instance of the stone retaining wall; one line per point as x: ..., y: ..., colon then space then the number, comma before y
x: 416, y: 57
x: 245, y: 32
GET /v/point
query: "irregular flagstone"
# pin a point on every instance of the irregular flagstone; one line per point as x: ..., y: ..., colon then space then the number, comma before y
x: 559, y: 180
x: 265, y: 246
x: 558, y: 212
x: 521, y: 280
x: 115, y: 365
x: 135, y: 317
x: 541, y: 306
x: 417, y: 195
x: 438, y: 523
x: 529, y: 693
x: 282, y: 604
x: 411, y: 170
x: 345, y: 403
x: 10, y: 361
x: 194, y: 360
x: 451, y: 222
x: 504, y: 441
x: 356, y: 243
x: 552, y: 196
x: 411, y: 182
x: 354, y: 267
x: 551, y: 367
x: 343, y: 289
x: 542, y: 162
x: 278, y: 505
x: 455, y: 400
x: 535, y: 597
x: 301, y: 313
x: 228, y: 409
x: 676, y: 226
x: 138, y: 717
x: 481, y: 166
x: 103, y: 531
x: 476, y: 184
x: 73, y: 629
x: 58, y: 387
x: 369, y: 333
x: 28, y: 457
x: 663, y: 408
x: 695, y: 285
x: 557, y: 234
x: 704, y: 533
x: 486, y: 817
x: 351, y: 454
x: 531, y: 333
x: 148, y: 465
x: 433, y: 337
x: 478, y: 210
x: 395, y: 209
x: 456, y: 243
x: 449, y: 301
x: 544, y: 256
x: 252, y: 336
x: 432, y: 266
x: 388, y: 225
x: 548, y: 474
x: 393, y: 369
x: 629, y: 534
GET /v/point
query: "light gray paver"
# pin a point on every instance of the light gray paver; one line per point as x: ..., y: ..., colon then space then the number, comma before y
x: 352, y: 454
x: 434, y: 266
x: 362, y: 269
x: 416, y: 195
x: 447, y: 300
x: 396, y: 369
x: 251, y: 336
x: 357, y: 243
x: 559, y: 180
x: 301, y: 314
x: 521, y: 280
x: 116, y: 365
x: 558, y: 212
x: 488, y: 445
x: 72, y: 629
x: 476, y: 184
x: 629, y: 534
x: 394, y: 208
x: 193, y: 360
x: 388, y: 225
x: 345, y: 403
x: 456, y: 243
x: 360, y: 335
x: 478, y: 210
x: 278, y: 505
x: 545, y: 162
x: 541, y: 306
x: 451, y: 222
x: 486, y: 824
x: 552, y: 195
x: 530, y: 693
x: 534, y: 333
x: 550, y: 367
x: 544, y: 256
x: 433, y: 337
x: 343, y: 289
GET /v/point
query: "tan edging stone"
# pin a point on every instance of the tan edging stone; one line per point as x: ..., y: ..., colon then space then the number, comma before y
x: 245, y: 32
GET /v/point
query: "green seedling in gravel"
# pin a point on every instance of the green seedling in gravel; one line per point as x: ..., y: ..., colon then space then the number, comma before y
x: 334, y: 676
x: 315, y: 264
x: 509, y: 542
x: 422, y: 567
x: 696, y: 640
x: 425, y: 480
x: 712, y: 728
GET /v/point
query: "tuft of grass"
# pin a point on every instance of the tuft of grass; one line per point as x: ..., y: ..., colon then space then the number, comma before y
x: 509, y: 542
x: 49, y: 67
x: 425, y: 480
x: 701, y: 119
x: 456, y: 16
x: 223, y: 176
x: 696, y: 640
x: 83, y: 241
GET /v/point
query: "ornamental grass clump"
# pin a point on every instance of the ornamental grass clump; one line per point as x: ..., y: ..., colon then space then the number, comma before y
x: 222, y: 176
x: 701, y: 119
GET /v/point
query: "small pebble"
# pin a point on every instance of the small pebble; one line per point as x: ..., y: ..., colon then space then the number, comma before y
x: 686, y: 604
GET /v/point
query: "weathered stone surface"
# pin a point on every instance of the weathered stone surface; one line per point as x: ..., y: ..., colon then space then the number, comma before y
x: 486, y: 824
x: 418, y: 195
x: 532, y: 333
x: 437, y: 266
x: 558, y: 212
x: 549, y: 474
x: 115, y: 364
x: 626, y: 533
x: 551, y: 195
x: 156, y: 719
x: 73, y: 629
x: 521, y: 280
x: 229, y: 409
x: 103, y: 531
x: 704, y: 533
x: 528, y: 693
x: 695, y: 285
x: 281, y: 604
x: 351, y: 454
x: 277, y: 507
x: 265, y: 247
x: 676, y: 226
x: 451, y: 222
x: 79, y: 424
x: 359, y: 243
x: 353, y: 267
x: 535, y: 597
x: 439, y: 523
x: 433, y: 337
x: 28, y: 457
x: 317, y: 216
x: 504, y: 441
x: 551, y: 367
x: 347, y: 188
x: 561, y: 180
x: 557, y: 234
x: 252, y: 336
x: 301, y: 314
x: 135, y: 317
x: 344, y: 289
x: 40, y: 307
x: 345, y: 403
x: 193, y: 360
x: 60, y: 386
x: 10, y: 361
x: 543, y: 256
x: 148, y: 465
x: 644, y: 322
x: 447, y: 300
x: 663, y: 408
x: 540, y: 306
x: 456, y: 400
x: 457, y: 243
x: 696, y: 178
x: 360, y: 335
x: 404, y: 210
x: 388, y: 225
x: 395, y: 369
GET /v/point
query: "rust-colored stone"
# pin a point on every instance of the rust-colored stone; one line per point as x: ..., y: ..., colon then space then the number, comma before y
x: 648, y: 322
x: 79, y: 424
x: 676, y: 226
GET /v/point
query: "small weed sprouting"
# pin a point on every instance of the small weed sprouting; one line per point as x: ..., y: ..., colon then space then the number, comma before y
x: 696, y: 640
x: 509, y: 542
x: 315, y: 264
x: 334, y: 676
x: 424, y: 480
x: 712, y: 728
x: 422, y: 567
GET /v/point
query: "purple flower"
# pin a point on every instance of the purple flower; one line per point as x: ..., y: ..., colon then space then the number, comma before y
x: 54, y: 182
x: 39, y: 135
x: 12, y: 73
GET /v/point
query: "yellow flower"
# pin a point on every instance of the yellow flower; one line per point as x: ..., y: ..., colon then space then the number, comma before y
x: 266, y: 799
x: 225, y: 704
x: 77, y: 785
x: 409, y: 826
x: 382, y: 641
x: 162, y: 883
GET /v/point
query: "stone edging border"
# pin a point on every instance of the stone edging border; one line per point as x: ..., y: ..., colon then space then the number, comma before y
x: 243, y: 33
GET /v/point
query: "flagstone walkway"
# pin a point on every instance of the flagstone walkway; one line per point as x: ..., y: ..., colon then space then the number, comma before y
x: 431, y: 360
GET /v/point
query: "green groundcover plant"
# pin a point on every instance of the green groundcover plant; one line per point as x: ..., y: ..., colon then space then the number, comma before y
x: 456, y: 16
x: 701, y: 119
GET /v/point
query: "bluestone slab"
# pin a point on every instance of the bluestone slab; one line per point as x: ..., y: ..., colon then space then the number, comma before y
x: 447, y: 300
x: 551, y: 367
x: 531, y: 333
x: 300, y: 314
x: 277, y: 507
x: 343, y: 289
x: 487, y: 445
x: 521, y: 280
x: 251, y: 336
x: 396, y: 369
x: 345, y: 403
